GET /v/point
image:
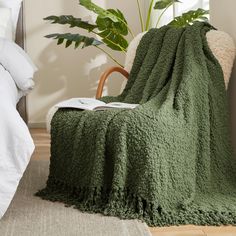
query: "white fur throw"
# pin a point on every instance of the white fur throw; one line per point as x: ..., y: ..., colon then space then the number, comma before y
x: 221, y: 44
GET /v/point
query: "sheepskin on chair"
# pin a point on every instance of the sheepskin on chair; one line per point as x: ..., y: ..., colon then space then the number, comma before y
x: 221, y: 44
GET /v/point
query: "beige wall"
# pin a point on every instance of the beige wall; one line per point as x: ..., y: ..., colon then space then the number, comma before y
x: 65, y: 73
x: 224, y: 18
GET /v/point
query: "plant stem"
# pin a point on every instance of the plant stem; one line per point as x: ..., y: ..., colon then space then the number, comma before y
x: 109, y: 55
x: 149, y: 15
x: 140, y: 16
x: 159, y: 18
x: 174, y: 10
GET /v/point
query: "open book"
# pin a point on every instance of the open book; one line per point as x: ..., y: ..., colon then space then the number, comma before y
x: 93, y: 104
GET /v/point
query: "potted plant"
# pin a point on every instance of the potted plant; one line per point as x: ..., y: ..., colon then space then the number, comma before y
x: 111, y: 27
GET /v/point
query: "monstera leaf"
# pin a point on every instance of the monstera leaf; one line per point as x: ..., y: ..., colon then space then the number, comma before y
x: 72, y: 21
x: 75, y: 38
x: 112, y: 32
x: 113, y: 40
x: 190, y: 17
x: 121, y: 26
x: 111, y: 24
x: 88, y: 4
x: 162, y: 4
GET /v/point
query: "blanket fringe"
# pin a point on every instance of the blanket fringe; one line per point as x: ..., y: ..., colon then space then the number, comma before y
x: 127, y: 205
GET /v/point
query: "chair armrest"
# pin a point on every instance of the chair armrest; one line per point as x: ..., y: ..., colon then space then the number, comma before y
x: 105, y: 76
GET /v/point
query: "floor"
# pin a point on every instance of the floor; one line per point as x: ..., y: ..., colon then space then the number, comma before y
x: 42, y: 141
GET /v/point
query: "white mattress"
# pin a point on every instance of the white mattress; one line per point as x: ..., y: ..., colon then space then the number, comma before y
x: 16, y: 144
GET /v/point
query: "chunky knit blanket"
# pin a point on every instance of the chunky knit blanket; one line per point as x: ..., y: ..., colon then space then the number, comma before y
x: 167, y: 162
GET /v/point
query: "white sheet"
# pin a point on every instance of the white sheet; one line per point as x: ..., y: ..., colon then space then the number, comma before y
x: 15, y: 6
x: 16, y: 144
x: 5, y: 23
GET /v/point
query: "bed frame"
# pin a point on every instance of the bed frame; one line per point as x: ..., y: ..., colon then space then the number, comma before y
x: 20, y: 40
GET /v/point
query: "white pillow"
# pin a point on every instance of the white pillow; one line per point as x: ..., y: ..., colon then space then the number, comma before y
x: 15, y: 6
x: 5, y: 23
x: 15, y: 60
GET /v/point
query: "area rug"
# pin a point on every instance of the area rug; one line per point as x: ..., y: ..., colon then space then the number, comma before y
x: 29, y: 215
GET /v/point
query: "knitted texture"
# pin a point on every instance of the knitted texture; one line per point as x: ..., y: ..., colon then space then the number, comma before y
x: 167, y: 162
x: 221, y: 44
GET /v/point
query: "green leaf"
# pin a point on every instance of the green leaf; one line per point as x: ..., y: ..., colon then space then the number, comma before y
x: 72, y: 21
x: 114, y: 40
x: 162, y: 4
x: 190, y: 17
x: 112, y: 32
x: 111, y: 24
x: 60, y: 41
x: 107, y: 23
x: 88, y: 4
x: 75, y: 38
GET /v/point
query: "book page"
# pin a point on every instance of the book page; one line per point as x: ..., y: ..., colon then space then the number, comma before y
x: 81, y: 103
x: 116, y: 105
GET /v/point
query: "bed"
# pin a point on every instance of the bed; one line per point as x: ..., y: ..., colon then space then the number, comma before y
x: 16, y: 144
x: 20, y: 40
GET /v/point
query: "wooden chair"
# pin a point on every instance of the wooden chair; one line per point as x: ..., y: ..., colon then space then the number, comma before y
x: 106, y: 75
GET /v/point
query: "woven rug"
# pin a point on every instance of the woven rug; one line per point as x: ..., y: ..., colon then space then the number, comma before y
x: 29, y: 215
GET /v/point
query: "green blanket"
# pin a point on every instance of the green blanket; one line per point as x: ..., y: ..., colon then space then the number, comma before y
x: 167, y: 162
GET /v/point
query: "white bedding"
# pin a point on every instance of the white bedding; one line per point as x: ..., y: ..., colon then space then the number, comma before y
x: 16, y: 144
